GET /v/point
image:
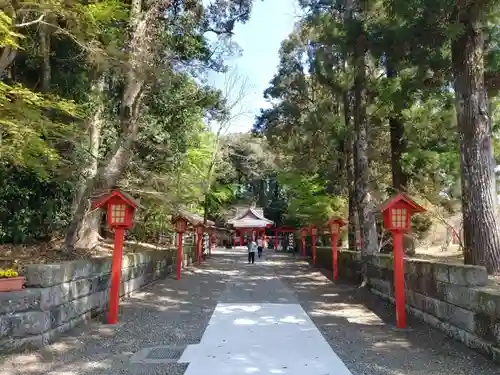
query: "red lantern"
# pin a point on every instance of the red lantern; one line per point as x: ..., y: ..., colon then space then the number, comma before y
x: 397, y: 213
x: 180, y: 224
x: 334, y: 225
x: 398, y: 217
x: 120, y: 208
x: 120, y: 211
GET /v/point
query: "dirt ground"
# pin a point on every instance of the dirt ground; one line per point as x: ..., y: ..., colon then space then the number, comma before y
x: 451, y: 255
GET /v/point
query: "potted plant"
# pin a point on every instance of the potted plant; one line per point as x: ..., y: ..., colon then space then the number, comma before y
x: 10, y: 280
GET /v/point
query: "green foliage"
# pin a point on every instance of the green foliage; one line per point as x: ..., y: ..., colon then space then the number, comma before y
x: 308, y: 201
x: 32, y: 208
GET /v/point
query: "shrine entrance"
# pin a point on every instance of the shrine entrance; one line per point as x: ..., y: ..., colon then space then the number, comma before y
x: 249, y: 222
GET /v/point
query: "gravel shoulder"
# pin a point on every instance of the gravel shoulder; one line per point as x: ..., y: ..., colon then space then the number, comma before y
x: 359, y: 328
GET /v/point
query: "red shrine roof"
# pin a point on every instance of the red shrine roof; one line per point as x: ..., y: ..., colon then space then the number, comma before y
x: 250, y: 218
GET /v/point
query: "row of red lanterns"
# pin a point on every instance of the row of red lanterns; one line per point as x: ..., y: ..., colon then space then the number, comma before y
x: 120, y: 209
x: 396, y: 212
x: 181, y: 227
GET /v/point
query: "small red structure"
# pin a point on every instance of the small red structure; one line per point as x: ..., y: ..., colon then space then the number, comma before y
x: 334, y: 226
x: 303, y: 234
x: 249, y: 220
x: 397, y: 213
x: 314, y: 234
x: 199, y: 228
x: 181, y: 224
x: 120, y: 212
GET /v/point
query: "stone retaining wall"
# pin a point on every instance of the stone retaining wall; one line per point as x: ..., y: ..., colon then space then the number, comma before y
x: 454, y: 298
x: 59, y: 296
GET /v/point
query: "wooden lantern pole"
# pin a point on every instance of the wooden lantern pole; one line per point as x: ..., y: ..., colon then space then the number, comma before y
x: 116, y: 273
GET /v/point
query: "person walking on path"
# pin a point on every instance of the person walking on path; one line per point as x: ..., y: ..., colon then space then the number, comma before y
x: 252, y: 249
x: 260, y: 246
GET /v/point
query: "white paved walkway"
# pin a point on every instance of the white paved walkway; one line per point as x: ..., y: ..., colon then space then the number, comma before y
x: 262, y: 339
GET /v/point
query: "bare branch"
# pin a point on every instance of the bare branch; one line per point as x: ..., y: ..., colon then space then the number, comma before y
x: 29, y: 23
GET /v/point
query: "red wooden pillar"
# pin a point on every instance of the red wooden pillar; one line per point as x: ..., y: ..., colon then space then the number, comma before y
x: 335, y: 267
x: 242, y: 234
x: 314, y: 233
x: 116, y: 270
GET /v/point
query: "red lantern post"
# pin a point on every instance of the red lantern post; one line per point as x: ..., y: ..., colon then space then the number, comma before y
x: 334, y: 226
x: 397, y: 213
x: 120, y: 211
x: 199, y: 237
x: 314, y: 233
x: 180, y: 227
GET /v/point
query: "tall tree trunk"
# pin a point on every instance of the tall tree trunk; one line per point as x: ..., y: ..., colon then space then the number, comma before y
x: 397, y: 133
x: 479, y: 197
x: 352, y: 219
x: 364, y: 199
x: 44, y: 45
x: 117, y: 160
x: 88, y: 235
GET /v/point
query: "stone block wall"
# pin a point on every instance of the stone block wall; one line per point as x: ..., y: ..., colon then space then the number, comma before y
x: 457, y: 299
x: 60, y: 296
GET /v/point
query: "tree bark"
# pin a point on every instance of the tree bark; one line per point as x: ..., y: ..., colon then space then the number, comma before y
x: 352, y: 219
x: 45, y: 73
x: 479, y: 197
x: 88, y: 235
x: 364, y: 199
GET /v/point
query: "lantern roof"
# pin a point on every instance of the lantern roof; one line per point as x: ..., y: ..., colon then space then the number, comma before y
x: 250, y: 217
x: 104, y: 197
x: 336, y: 219
x: 400, y: 197
x: 191, y: 218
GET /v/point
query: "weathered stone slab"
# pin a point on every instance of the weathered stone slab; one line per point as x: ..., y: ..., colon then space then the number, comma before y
x: 44, y: 275
x: 24, y: 300
x: 447, y: 312
x: 468, y: 275
x: 28, y: 323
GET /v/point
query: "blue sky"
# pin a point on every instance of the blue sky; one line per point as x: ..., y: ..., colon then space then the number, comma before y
x: 260, y: 39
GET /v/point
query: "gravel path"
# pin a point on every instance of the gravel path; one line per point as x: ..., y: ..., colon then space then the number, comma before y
x: 174, y: 312
x: 359, y: 328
